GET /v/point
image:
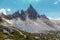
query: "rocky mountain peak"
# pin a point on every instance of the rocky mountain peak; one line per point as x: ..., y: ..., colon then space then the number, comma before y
x: 43, y: 16
x: 16, y: 13
x: 22, y: 12
x: 31, y: 10
x: 23, y: 15
x: 30, y: 6
x: 32, y: 14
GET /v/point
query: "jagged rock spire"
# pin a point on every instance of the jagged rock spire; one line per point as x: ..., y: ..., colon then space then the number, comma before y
x: 22, y: 12
x: 31, y: 6
x: 44, y: 16
x: 32, y: 12
x: 16, y: 14
x: 22, y: 15
x: 31, y: 9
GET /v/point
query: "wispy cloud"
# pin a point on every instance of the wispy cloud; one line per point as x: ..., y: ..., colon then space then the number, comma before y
x: 56, y: 2
x: 59, y: 0
x: 8, y: 9
x: 53, y: 18
x: 50, y: 18
x: 34, y: 0
x: 31, y: 1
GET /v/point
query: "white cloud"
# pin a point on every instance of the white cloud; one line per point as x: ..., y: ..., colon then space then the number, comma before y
x: 34, y: 0
x: 57, y: 19
x: 8, y: 9
x: 31, y: 0
x: 56, y: 2
x: 3, y: 11
x: 53, y: 18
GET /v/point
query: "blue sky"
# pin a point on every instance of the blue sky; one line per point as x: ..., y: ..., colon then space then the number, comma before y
x: 50, y: 8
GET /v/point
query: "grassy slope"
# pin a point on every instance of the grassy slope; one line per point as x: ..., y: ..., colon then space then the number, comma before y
x: 17, y: 36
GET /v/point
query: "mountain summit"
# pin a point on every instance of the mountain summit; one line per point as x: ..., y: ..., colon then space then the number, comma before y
x: 30, y: 12
x: 30, y: 21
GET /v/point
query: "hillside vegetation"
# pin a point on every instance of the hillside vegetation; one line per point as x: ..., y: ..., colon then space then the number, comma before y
x: 15, y: 35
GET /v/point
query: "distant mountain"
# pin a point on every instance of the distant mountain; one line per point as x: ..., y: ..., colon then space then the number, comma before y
x: 57, y: 22
x: 31, y: 21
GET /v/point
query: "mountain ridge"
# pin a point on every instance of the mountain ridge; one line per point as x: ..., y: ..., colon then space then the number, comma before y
x: 30, y: 12
x: 31, y: 21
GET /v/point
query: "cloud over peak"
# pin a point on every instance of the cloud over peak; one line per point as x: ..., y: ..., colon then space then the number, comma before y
x: 3, y: 10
